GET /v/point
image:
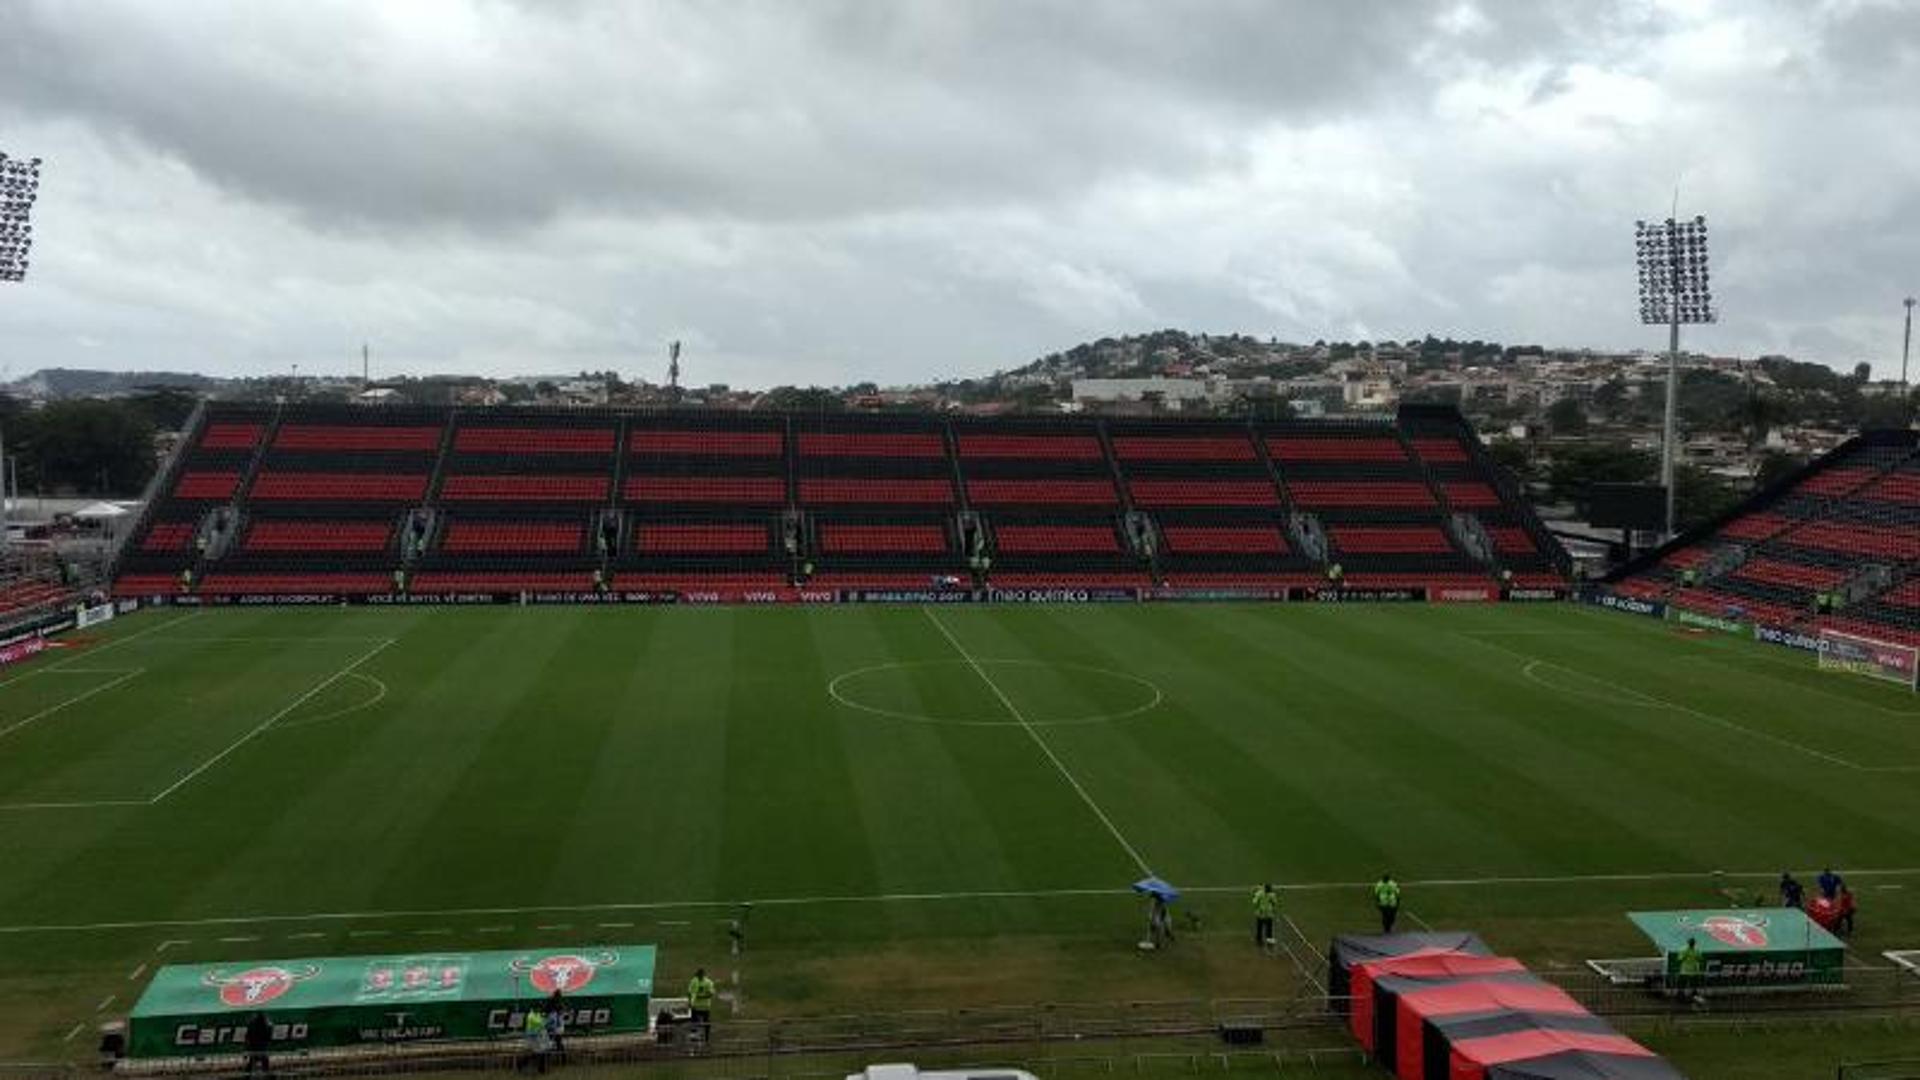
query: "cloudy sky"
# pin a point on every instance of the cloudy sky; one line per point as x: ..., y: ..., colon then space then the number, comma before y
x: 836, y: 190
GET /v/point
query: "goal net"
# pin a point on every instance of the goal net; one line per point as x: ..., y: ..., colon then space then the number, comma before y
x: 1853, y: 654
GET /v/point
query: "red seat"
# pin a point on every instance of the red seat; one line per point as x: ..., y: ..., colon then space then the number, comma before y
x: 231, y: 436
x: 1163, y: 491
x: 168, y: 536
x: 1469, y: 494
x: 464, y: 581
x: 1361, y: 493
x: 706, y: 443
x: 1224, y: 540
x: 756, y: 490
x: 1074, y: 492
x: 282, y: 584
x: 318, y: 536
x: 1391, y: 539
x: 356, y: 438
x: 533, y: 440
x: 872, y: 444
x: 1441, y: 450
x: 843, y: 539
x: 1056, y: 539
x: 528, y: 537
x: 1183, y: 448
x: 701, y: 539
x: 1371, y: 448
x: 517, y: 487
x: 206, y: 485
x: 1511, y: 540
x: 874, y: 491
x: 1057, y: 447
x: 342, y: 487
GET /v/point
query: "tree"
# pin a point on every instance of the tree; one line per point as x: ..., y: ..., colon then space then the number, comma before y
x: 1575, y: 469
x: 1774, y: 467
x: 86, y: 446
x: 796, y: 399
x: 1862, y: 372
x: 1700, y: 496
x: 165, y: 407
x: 1566, y: 417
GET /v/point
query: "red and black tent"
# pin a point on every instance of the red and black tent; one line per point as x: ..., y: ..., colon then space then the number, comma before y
x: 1376, y: 986
x: 1350, y: 949
x: 1431, y: 1019
x: 1586, y: 1065
x: 1522, y: 1053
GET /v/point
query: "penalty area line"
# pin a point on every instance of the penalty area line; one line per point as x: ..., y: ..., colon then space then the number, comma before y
x: 271, y: 720
x: 902, y: 898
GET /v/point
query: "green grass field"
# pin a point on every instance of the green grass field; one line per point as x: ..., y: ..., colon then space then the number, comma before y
x: 927, y: 808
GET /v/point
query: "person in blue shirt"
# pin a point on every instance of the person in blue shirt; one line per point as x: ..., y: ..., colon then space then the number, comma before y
x: 1830, y: 883
x: 1791, y: 893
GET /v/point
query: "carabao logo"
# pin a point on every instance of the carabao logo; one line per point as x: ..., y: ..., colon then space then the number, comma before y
x: 567, y: 973
x: 256, y: 986
x: 1736, y: 931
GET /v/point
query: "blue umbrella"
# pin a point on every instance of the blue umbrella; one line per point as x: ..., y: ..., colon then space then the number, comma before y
x: 1153, y: 886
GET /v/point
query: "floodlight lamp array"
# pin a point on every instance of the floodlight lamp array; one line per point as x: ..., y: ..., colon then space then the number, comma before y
x: 19, y: 185
x: 1674, y: 276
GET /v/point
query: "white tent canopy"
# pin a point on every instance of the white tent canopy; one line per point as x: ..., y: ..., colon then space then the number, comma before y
x: 101, y: 510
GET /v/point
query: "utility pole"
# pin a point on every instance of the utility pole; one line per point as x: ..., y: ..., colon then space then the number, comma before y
x: 1906, y: 345
x: 365, y: 367
x: 1674, y: 289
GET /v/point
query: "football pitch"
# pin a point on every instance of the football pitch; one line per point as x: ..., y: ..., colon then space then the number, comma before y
x: 926, y: 807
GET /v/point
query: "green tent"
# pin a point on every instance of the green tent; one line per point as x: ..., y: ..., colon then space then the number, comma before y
x: 1747, y: 946
x: 312, y: 1004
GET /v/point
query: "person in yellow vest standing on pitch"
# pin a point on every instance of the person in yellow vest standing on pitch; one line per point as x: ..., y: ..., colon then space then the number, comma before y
x: 700, y: 994
x: 1266, y: 905
x: 1386, y: 896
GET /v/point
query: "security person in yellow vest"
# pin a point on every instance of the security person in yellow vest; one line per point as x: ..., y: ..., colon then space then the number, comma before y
x: 700, y: 994
x: 1266, y: 905
x: 1691, y: 965
x: 1386, y: 896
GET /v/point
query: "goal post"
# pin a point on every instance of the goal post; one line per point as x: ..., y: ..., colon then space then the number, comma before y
x: 1855, y: 654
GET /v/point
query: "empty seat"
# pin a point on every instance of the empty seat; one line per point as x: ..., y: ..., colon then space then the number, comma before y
x: 1361, y: 493
x: 1440, y: 450
x: 517, y: 537
x: 1074, y: 491
x: 844, y: 539
x: 291, y: 536
x: 1470, y: 494
x: 1223, y: 540
x: 231, y: 436
x: 168, y: 536
x: 206, y: 485
x: 875, y: 491
x: 338, y: 487
x: 356, y: 438
x: 756, y: 490
x: 1183, y: 491
x: 872, y: 444
x: 1031, y: 447
x: 1051, y: 539
x: 1374, y: 448
x: 526, y: 440
x: 1183, y: 448
x: 698, y: 442
x: 521, y: 487
x: 1390, y: 539
x: 700, y: 538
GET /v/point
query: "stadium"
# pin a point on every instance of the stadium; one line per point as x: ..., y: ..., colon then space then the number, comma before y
x: 895, y: 724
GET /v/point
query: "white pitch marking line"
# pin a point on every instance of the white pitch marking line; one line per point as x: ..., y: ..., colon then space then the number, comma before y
x: 495, y: 929
x: 104, y: 1002
x: 74, y: 700
x: 306, y: 936
x: 367, y: 933
x: 115, y: 643
x: 1417, y: 920
x: 1721, y: 721
x: 271, y: 720
x: 556, y: 926
x: 898, y: 898
x: 263, y: 640
x: 170, y: 943
x: 377, y: 698
x: 137, y: 972
x: 77, y: 1029
x: 676, y: 922
x: 74, y: 805
x: 240, y: 938
x: 615, y: 925
x: 432, y: 933
x: 1014, y: 711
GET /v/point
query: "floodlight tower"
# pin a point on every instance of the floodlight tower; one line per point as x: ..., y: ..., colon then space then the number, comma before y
x: 1673, y: 289
x: 19, y: 185
x: 1906, y: 345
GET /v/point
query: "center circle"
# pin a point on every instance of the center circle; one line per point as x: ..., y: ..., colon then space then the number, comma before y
x: 866, y: 689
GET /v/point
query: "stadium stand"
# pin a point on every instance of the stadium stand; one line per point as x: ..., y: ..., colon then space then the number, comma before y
x: 1835, y: 545
x: 307, y: 499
